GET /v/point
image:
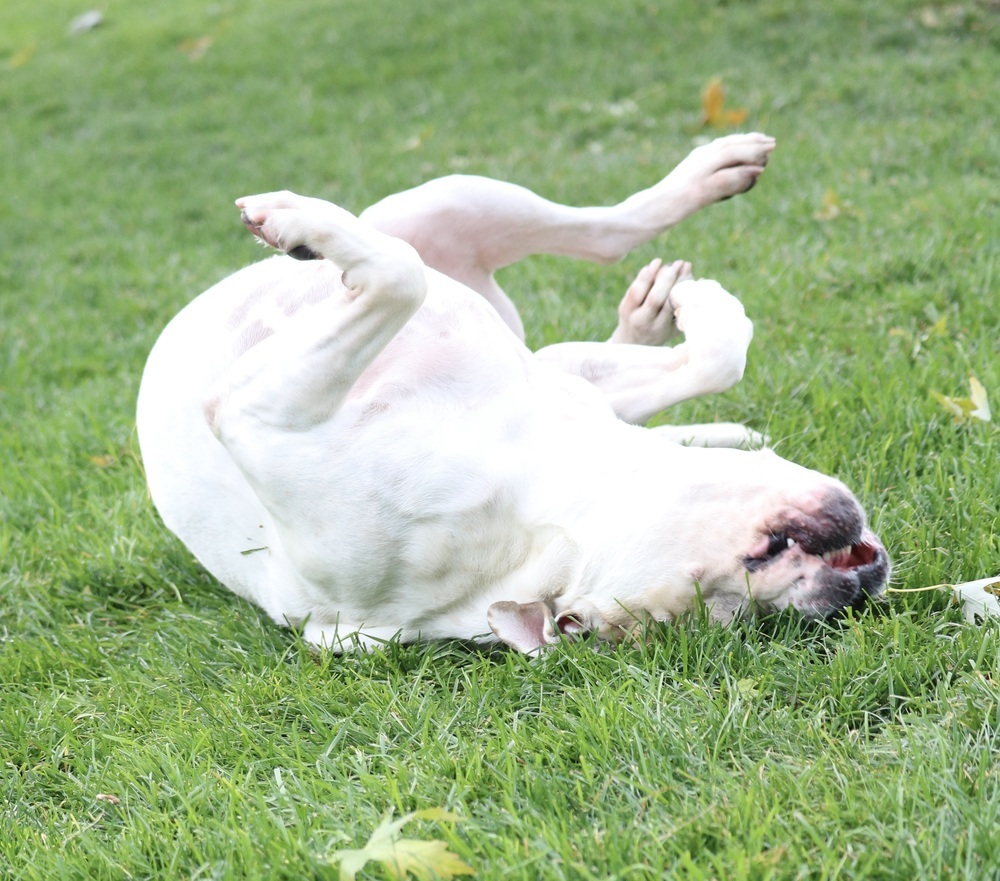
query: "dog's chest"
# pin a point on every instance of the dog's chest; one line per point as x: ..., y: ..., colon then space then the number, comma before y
x: 415, y: 491
x: 432, y: 520
x: 435, y: 476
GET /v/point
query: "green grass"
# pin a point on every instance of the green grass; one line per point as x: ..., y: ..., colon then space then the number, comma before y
x: 153, y: 726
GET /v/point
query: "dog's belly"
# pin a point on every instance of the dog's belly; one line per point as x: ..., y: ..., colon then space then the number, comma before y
x: 425, y: 493
x: 421, y: 507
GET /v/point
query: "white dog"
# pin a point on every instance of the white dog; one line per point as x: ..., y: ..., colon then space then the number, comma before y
x: 365, y: 448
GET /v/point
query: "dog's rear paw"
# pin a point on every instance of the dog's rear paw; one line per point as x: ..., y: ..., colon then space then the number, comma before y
x: 283, y: 221
x: 723, y: 168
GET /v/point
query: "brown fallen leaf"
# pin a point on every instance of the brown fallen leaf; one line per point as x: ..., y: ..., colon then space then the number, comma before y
x: 713, y: 107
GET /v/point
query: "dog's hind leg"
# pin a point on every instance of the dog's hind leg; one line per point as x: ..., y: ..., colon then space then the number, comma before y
x: 468, y: 227
x: 298, y: 377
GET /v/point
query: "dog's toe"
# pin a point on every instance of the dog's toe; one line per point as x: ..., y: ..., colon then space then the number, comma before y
x: 252, y: 225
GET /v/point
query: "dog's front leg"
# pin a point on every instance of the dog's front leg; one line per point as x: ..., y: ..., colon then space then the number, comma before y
x: 297, y: 377
x: 641, y: 381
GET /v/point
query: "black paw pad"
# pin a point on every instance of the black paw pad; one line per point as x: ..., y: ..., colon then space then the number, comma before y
x: 304, y: 252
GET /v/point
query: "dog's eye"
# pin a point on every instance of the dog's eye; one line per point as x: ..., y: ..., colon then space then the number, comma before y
x: 778, y: 543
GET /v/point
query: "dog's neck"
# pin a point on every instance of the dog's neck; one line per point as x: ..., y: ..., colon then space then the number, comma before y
x: 632, y: 552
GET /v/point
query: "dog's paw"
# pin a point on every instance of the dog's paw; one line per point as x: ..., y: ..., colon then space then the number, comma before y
x: 722, y: 168
x: 706, y: 302
x: 281, y: 220
x: 646, y: 313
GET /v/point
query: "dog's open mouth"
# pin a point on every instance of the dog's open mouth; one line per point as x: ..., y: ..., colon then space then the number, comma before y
x: 859, y: 554
x: 852, y: 569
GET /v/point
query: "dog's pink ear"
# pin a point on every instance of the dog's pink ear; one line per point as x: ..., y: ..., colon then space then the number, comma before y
x: 526, y: 627
x: 530, y: 627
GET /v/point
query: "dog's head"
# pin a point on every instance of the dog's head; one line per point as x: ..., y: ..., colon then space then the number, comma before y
x: 747, y: 532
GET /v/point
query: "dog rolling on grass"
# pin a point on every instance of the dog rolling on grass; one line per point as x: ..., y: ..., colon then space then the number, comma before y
x: 359, y: 442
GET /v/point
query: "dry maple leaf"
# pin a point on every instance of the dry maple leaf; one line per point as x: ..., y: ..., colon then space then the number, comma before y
x: 979, y: 398
x: 713, y: 106
x: 974, y: 407
x: 425, y: 860
x: 979, y: 599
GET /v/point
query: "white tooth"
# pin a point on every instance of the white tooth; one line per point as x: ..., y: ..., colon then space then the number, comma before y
x: 791, y: 542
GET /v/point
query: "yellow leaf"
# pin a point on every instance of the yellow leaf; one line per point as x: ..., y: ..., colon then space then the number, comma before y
x: 425, y: 860
x: 418, y: 140
x: 195, y: 49
x: 713, y: 106
x: 400, y: 856
x: 980, y: 400
x: 713, y: 98
x: 958, y: 407
x: 832, y: 207
x: 976, y: 406
x: 21, y: 57
x: 938, y: 328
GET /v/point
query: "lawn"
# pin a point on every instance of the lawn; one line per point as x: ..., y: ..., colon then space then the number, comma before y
x: 152, y: 726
